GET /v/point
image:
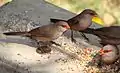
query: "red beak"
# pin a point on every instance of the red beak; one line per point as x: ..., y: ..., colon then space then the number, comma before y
x: 67, y: 27
x: 102, y: 51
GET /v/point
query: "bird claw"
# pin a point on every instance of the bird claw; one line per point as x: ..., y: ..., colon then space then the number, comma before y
x: 85, y: 37
x: 73, y: 40
x: 55, y: 43
x: 43, y: 49
x: 99, y: 65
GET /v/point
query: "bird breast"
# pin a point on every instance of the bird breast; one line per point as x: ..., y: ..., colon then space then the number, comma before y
x: 109, y: 58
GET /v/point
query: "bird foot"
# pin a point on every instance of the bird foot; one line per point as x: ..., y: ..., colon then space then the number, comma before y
x: 85, y: 37
x: 99, y: 65
x: 43, y: 49
x: 55, y: 43
x: 73, y: 40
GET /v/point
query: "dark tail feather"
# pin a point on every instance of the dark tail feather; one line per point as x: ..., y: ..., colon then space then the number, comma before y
x: 89, y: 31
x: 17, y: 33
x: 56, y: 20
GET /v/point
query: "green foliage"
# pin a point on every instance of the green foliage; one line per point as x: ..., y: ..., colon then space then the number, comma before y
x: 98, y: 5
x: 77, y: 5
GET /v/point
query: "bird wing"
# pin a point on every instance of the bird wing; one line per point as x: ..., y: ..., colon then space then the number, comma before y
x: 111, y: 32
x: 56, y: 20
x: 73, y: 21
x: 43, y: 31
x: 79, y: 22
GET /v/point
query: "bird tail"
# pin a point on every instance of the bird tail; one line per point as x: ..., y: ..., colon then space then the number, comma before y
x: 56, y: 20
x: 17, y: 33
x: 89, y: 31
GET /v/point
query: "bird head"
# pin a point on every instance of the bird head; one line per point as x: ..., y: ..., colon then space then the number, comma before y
x: 108, y: 54
x: 63, y: 25
x: 95, y: 16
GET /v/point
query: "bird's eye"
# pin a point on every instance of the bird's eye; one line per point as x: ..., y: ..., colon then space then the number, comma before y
x: 107, y: 51
x: 63, y: 25
x: 92, y: 14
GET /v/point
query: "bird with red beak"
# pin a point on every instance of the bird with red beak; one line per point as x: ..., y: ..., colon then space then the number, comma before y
x: 45, y: 33
x: 109, y: 54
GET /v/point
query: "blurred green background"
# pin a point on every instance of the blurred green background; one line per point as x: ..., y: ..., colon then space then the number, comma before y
x: 109, y: 10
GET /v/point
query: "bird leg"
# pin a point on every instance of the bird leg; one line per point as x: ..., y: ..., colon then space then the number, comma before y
x: 42, y: 47
x: 100, y: 64
x: 83, y: 35
x: 72, y: 37
x: 55, y: 43
x: 45, y: 48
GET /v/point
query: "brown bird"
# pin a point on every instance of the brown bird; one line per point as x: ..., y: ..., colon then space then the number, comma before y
x: 108, y: 35
x: 45, y: 33
x: 109, y: 54
x: 81, y: 21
